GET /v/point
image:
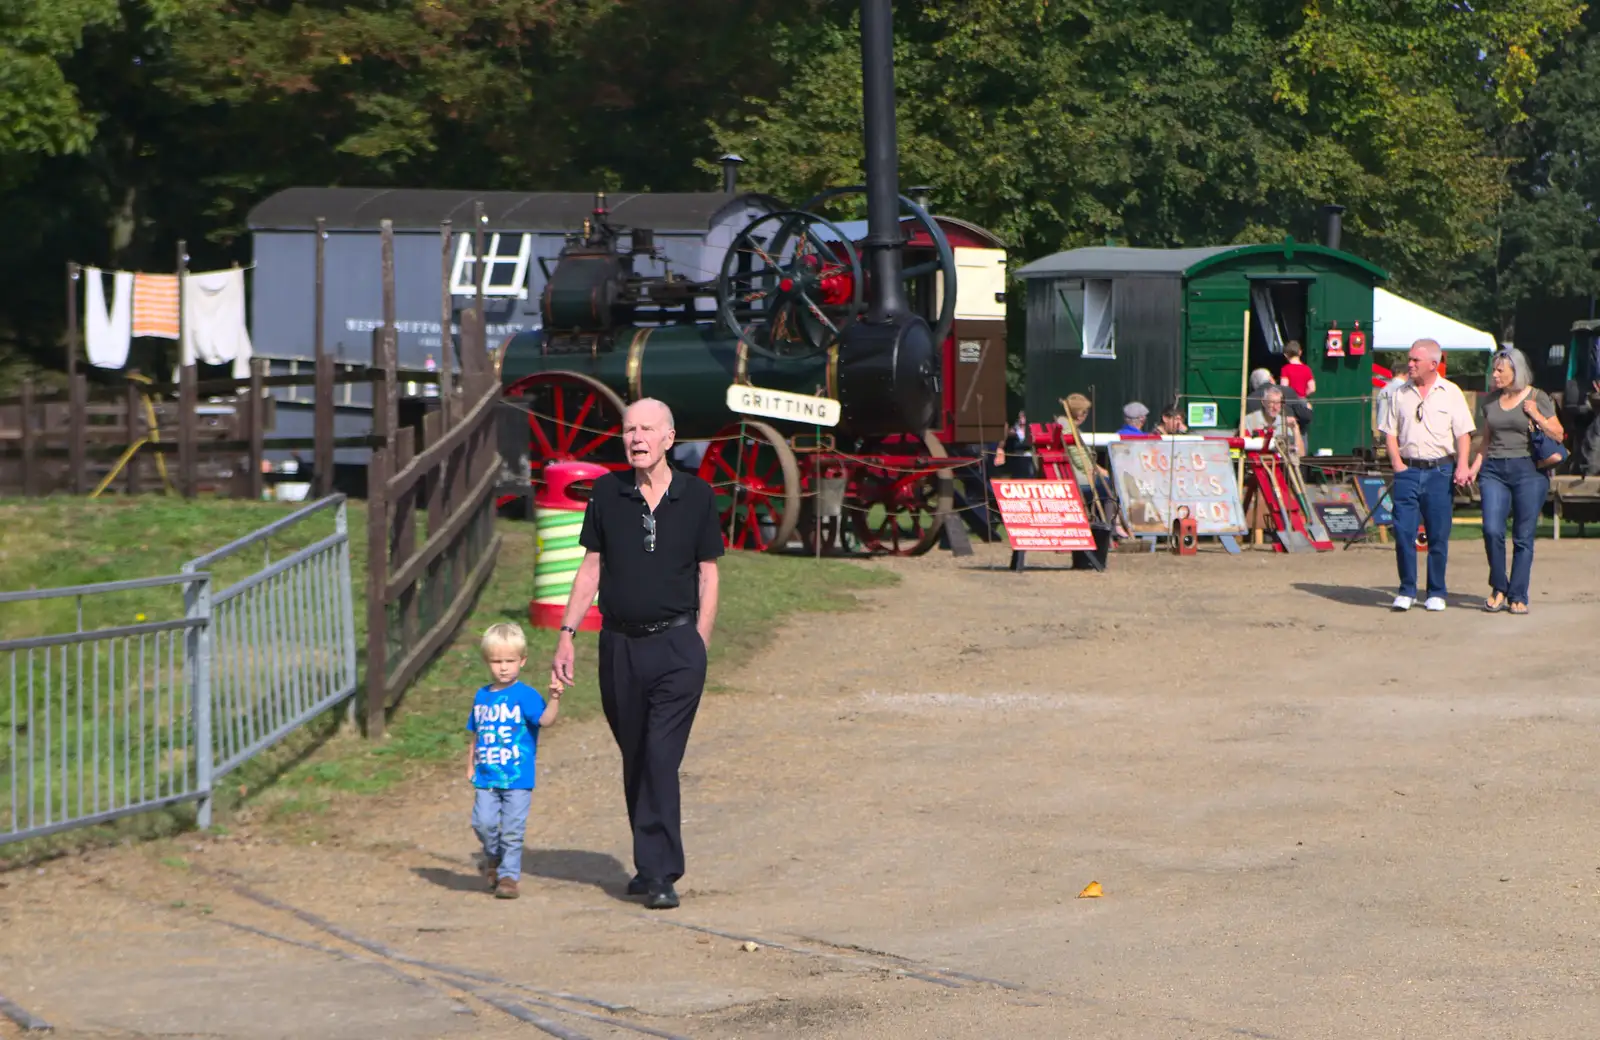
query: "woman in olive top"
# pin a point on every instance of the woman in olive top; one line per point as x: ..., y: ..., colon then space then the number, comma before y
x: 1509, y: 478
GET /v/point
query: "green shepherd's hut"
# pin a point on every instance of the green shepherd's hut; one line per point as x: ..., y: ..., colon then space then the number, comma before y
x: 1167, y: 326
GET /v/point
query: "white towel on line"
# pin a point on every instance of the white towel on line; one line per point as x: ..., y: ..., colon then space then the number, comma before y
x: 214, y: 329
x: 106, y: 335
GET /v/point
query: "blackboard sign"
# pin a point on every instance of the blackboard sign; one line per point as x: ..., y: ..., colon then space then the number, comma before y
x: 1341, y: 519
x: 1375, y: 495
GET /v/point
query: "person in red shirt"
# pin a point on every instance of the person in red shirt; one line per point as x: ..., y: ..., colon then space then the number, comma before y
x: 1296, y: 373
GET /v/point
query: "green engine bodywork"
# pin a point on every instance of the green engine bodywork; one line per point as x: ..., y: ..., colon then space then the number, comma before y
x: 690, y: 367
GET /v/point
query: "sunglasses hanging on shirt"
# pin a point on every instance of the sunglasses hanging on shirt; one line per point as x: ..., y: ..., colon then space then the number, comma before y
x: 649, y: 532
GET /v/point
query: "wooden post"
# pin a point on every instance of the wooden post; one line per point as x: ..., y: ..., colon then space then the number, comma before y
x: 132, y: 399
x: 480, y: 275
x: 322, y: 427
x: 403, y: 508
x: 188, y: 407
x: 77, y: 431
x: 73, y: 273
x: 256, y: 409
x: 319, y: 297
x: 386, y: 349
x: 385, y: 409
x: 446, y: 312
x: 434, y: 426
x: 322, y: 390
x: 377, y: 579
x: 183, y: 271
x: 30, y: 474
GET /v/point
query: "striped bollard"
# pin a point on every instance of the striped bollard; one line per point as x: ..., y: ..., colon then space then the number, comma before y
x: 558, y: 519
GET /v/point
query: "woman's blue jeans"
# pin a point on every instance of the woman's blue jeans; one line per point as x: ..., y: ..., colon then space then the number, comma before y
x: 1515, y: 489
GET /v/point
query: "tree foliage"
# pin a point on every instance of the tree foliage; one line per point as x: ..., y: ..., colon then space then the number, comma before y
x: 1457, y: 135
x: 1160, y: 124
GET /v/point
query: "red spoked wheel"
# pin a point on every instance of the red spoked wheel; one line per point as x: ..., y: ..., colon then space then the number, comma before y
x: 753, y: 473
x: 571, y: 417
x: 899, y: 507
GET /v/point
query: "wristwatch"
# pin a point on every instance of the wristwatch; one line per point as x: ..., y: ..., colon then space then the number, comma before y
x: 569, y: 628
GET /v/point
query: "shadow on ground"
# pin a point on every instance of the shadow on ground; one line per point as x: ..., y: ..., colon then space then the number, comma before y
x: 1372, y: 596
x: 599, y: 869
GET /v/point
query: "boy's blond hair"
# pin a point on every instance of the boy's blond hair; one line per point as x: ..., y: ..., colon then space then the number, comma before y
x: 504, y: 636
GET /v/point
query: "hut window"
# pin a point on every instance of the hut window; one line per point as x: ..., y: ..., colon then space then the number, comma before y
x: 505, y: 265
x: 1087, y: 310
x: 1099, y: 331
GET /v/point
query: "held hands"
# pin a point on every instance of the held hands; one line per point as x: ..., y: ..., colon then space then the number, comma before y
x: 561, y: 664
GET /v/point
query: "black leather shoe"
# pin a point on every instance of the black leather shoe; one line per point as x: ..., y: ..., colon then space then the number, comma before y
x: 661, y: 897
x: 638, y: 886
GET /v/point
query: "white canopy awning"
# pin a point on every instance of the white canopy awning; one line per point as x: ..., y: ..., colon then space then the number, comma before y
x: 1398, y: 323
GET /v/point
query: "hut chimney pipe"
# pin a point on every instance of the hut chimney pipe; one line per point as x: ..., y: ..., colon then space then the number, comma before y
x: 730, y: 173
x: 1332, y: 225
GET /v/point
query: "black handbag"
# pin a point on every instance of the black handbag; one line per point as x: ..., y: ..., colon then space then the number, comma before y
x: 1547, y: 452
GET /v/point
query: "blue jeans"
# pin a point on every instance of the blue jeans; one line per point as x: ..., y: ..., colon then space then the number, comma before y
x: 1516, y: 489
x: 1425, y: 496
x: 500, y: 817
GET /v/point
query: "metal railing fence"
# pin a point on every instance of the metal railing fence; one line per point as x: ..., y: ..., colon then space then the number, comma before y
x: 116, y: 720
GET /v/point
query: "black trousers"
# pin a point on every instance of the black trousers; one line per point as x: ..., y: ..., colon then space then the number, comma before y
x: 650, y: 689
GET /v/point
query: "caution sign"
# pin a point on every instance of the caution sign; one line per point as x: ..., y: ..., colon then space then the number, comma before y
x: 1043, y: 515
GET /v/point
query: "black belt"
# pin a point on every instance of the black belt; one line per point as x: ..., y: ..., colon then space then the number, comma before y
x: 1426, y: 463
x: 648, y: 628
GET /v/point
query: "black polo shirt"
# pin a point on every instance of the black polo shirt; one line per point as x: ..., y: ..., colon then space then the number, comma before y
x: 639, y: 587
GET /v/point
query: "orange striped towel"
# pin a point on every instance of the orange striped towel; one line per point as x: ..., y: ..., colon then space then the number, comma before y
x: 155, y: 305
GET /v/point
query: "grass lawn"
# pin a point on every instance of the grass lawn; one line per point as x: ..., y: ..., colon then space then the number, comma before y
x: 62, y: 541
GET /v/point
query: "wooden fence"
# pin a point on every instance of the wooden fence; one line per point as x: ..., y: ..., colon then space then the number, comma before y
x: 431, y: 540
x: 184, y: 438
x: 434, y: 483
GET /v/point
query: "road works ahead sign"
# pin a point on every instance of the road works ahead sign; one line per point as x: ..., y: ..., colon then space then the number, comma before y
x: 780, y: 404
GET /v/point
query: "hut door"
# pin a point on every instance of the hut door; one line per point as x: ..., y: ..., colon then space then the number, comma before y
x: 1213, y: 345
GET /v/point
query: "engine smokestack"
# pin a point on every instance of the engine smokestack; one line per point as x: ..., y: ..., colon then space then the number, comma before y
x: 884, y: 238
x: 1332, y: 225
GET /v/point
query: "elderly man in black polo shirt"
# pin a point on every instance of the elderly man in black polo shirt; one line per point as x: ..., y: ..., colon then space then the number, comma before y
x: 653, y: 539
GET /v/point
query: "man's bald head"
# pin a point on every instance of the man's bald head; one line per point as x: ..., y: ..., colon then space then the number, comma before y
x: 658, y: 410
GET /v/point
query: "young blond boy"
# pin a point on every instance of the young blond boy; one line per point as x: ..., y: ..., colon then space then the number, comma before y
x: 507, y: 715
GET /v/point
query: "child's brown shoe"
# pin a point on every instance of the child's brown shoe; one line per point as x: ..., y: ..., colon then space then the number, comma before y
x: 491, y: 871
x: 506, y: 889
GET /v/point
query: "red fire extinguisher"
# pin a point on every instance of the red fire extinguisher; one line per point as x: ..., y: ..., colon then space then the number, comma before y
x: 1335, y: 345
x: 1358, y: 340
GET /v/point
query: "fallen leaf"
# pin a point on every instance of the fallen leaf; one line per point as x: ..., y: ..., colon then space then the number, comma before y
x: 1091, y: 891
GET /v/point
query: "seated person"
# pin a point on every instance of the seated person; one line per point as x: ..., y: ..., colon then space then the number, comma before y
x: 1172, y: 422
x: 1133, y: 417
x: 1285, y: 430
x: 1293, y: 403
x: 1094, y: 480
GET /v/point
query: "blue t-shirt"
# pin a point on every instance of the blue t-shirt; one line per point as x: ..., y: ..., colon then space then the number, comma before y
x: 505, y: 724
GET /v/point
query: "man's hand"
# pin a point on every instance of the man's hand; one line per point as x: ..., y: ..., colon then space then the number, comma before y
x: 561, y: 664
x: 1462, y: 476
x: 705, y: 636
